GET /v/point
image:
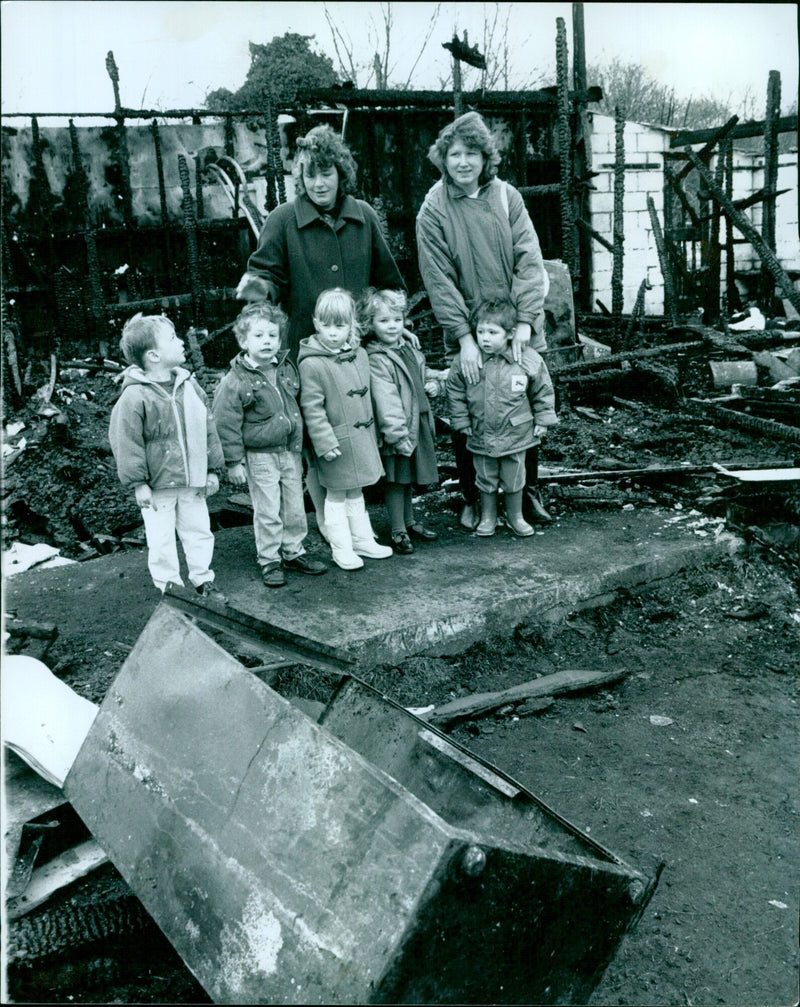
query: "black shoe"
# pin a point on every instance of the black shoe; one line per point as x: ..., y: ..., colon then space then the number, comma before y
x: 272, y: 575
x: 401, y: 543
x: 302, y: 564
x: 536, y: 509
x: 418, y: 530
x: 211, y: 592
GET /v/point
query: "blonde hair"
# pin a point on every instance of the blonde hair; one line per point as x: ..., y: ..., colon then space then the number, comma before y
x: 337, y: 307
x: 253, y: 313
x: 371, y: 300
x: 140, y: 334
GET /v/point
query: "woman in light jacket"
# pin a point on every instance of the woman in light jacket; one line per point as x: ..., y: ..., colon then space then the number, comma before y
x: 475, y: 240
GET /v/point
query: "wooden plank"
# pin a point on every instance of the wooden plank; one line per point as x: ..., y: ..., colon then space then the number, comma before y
x: 549, y: 685
x: 56, y: 874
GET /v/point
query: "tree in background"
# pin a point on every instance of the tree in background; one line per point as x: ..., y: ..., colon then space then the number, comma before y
x: 646, y: 99
x: 278, y: 70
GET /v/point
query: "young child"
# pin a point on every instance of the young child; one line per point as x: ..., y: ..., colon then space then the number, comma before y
x: 337, y: 408
x: 504, y: 414
x: 402, y: 411
x: 167, y: 448
x: 259, y: 424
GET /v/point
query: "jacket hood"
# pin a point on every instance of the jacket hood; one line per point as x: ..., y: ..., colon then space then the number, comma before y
x: 134, y: 375
x: 309, y: 347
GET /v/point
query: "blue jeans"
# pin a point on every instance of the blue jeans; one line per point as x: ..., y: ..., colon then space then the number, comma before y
x: 275, y: 479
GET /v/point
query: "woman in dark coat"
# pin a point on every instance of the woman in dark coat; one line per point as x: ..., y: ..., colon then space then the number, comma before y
x: 324, y: 238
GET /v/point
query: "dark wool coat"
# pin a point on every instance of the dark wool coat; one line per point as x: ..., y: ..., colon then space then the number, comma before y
x: 337, y: 409
x: 501, y: 410
x: 299, y: 255
x: 253, y: 414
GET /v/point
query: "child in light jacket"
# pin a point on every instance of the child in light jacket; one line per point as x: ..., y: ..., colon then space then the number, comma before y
x: 167, y: 451
x: 507, y: 412
x: 337, y: 409
x: 402, y: 412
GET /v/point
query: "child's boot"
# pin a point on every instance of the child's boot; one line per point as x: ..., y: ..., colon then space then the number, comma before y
x: 488, y: 522
x: 516, y: 522
x: 339, y: 536
x: 361, y: 530
x: 538, y: 513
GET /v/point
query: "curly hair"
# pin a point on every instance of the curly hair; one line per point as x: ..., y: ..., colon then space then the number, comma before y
x: 499, y: 310
x: 140, y: 334
x: 252, y: 313
x: 371, y: 300
x: 320, y: 148
x: 473, y: 132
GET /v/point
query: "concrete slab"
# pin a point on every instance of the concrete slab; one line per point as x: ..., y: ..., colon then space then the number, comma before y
x: 446, y: 596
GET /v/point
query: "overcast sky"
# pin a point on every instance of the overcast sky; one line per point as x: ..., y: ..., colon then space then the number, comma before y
x: 171, y: 54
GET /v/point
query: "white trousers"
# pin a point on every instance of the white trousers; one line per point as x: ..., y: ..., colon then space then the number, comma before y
x: 183, y: 511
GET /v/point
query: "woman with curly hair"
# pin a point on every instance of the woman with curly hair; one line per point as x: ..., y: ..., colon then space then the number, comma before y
x: 475, y: 242
x: 324, y: 238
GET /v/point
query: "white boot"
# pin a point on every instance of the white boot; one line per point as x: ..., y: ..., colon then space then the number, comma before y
x: 363, y: 536
x: 338, y: 530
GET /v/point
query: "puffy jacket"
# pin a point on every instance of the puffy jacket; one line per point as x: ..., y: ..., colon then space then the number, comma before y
x: 394, y: 397
x: 337, y: 409
x: 254, y: 414
x: 164, y: 439
x: 502, y: 409
x: 299, y: 255
x: 471, y: 248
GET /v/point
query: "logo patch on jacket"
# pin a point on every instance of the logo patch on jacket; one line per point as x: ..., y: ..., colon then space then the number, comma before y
x: 519, y: 382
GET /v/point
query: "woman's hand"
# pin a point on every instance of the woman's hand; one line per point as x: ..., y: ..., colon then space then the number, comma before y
x: 413, y: 338
x: 237, y: 474
x: 471, y: 362
x: 330, y: 455
x: 521, y: 339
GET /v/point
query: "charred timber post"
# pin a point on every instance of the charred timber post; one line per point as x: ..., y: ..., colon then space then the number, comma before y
x: 80, y: 174
x: 230, y: 137
x: 638, y: 312
x: 190, y: 224
x: 583, y: 158
x: 277, y: 164
x: 462, y: 51
x: 568, y: 233
x: 123, y: 158
x: 770, y: 181
x: 162, y: 195
x: 768, y: 257
x: 619, y: 224
x: 595, y: 234
x: 732, y: 299
x: 663, y: 261
x: 677, y: 188
x: 271, y: 195
x: 714, y: 275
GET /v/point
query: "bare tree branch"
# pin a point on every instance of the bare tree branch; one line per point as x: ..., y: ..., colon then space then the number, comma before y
x: 431, y: 26
x: 348, y: 68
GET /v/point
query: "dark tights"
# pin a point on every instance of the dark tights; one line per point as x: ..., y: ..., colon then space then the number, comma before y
x: 399, y: 506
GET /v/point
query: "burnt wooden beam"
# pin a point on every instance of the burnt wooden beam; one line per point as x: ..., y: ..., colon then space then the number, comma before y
x: 663, y: 261
x: 785, y: 124
x: 705, y: 152
x: 763, y: 250
x: 767, y: 286
x: 595, y: 234
x: 677, y: 188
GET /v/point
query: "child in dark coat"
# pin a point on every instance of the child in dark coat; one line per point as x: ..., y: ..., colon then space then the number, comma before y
x: 402, y: 412
x: 259, y: 424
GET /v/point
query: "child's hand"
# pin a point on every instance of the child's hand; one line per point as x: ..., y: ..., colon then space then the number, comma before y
x: 330, y: 455
x: 212, y: 484
x: 412, y: 337
x: 405, y: 447
x: 237, y: 474
x: 144, y: 497
x: 432, y: 388
x: 539, y: 431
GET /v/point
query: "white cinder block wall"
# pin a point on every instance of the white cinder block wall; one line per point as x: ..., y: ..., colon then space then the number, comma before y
x: 644, y: 175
